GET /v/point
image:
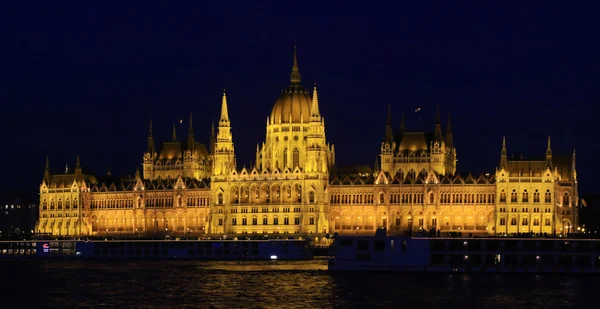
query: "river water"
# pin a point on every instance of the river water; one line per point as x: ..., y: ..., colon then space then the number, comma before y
x: 279, y: 284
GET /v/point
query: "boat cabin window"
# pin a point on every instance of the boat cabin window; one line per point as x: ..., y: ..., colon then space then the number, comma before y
x: 346, y: 242
x: 363, y: 245
x: 379, y: 245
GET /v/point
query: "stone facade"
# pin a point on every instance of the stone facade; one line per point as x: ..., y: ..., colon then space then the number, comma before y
x: 294, y: 188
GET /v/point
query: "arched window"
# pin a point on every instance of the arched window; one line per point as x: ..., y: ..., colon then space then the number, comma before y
x: 285, y: 158
x: 381, y: 198
x: 525, y: 196
x: 67, y: 204
x: 566, y: 200
x: 45, y: 204
x: 536, y: 196
x: 548, y: 197
x: 431, y: 198
x: 220, y: 198
x: 60, y: 204
x: 513, y: 196
x: 296, y: 159
x: 502, y: 197
x: 179, y: 202
x: 299, y: 190
x: 139, y: 203
x: 311, y: 197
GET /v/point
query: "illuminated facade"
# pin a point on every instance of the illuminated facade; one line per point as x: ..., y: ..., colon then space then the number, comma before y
x: 293, y: 189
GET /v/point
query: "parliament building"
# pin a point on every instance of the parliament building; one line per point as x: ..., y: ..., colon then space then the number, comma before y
x: 186, y: 188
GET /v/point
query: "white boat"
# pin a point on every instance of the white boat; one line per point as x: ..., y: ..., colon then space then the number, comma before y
x: 452, y: 254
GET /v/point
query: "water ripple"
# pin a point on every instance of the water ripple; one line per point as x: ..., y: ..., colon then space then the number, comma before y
x: 280, y: 284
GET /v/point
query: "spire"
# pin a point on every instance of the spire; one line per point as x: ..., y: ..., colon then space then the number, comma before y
x: 150, y: 139
x: 449, y: 140
x: 389, y: 135
x: 224, y: 111
x: 47, y: 172
x: 77, y: 168
x: 137, y: 173
x: 438, y: 125
x: 503, y: 158
x: 314, y: 108
x: 549, y: 154
x: 191, y: 142
x: 295, y: 76
x: 573, y: 161
x: 174, y: 136
x: 376, y: 166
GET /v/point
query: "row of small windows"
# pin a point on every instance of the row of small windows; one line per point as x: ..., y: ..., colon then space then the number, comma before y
x: 111, y: 204
x: 357, y: 198
x: 414, y: 198
x: 536, y: 197
x: 525, y: 209
x: 467, y: 198
x: 67, y: 204
x: 123, y: 203
x: 265, y: 221
x: 266, y: 210
x: 242, y: 194
x: 525, y: 221
x: 235, y: 199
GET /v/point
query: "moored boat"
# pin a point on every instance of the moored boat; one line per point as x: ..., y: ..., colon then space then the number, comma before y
x: 448, y: 254
x: 272, y: 249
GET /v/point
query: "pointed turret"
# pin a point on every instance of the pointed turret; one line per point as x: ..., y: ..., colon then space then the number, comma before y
x: 191, y: 143
x: 137, y: 173
x: 295, y: 75
x: 314, y: 108
x: 78, y: 171
x: 47, y: 175
x: 224, y: 158
x: 151, y: 148
x: 376, y: 166
x: 389, y: 135
x: 449, y: 141
x: 174, y: 136
x: 549, y: 154
x: 573, y: 162
x: 438, y: 125
x: 224, y: 111
x: 503, y: 156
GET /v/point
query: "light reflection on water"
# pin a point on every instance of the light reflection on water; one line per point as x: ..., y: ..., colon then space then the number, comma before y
x: 274, y: 284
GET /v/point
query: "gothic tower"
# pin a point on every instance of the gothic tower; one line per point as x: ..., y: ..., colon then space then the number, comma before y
x: 224, y: 158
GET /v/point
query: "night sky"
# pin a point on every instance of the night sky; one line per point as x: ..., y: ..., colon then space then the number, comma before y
x: 85, y: 78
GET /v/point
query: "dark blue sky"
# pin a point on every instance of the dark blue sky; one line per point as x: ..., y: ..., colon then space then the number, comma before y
x: 84, y: 78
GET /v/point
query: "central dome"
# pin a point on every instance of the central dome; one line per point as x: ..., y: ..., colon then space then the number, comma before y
x: 292, y: 106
